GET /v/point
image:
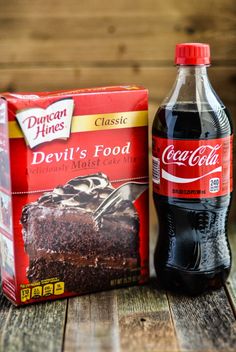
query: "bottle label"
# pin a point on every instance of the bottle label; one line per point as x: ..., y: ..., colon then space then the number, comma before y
x: 192, y: 168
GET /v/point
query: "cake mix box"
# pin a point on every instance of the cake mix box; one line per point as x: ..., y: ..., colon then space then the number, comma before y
x: 73, y: 192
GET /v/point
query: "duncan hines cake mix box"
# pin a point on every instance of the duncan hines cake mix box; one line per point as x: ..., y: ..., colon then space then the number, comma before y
x: 73, y: 192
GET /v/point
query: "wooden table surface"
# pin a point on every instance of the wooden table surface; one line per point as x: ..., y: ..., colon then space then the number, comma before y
x: 131, y: 319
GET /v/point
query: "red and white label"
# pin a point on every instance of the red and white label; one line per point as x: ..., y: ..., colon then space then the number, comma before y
x: 192, y: 168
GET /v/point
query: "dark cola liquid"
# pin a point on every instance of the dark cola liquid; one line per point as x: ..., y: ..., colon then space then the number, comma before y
x: 192, y: 253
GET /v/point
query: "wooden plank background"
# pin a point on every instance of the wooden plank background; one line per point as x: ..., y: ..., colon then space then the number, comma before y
x: 46, y: 45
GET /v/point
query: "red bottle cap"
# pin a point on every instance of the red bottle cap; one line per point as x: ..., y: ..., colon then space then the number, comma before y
x: 192, y: 54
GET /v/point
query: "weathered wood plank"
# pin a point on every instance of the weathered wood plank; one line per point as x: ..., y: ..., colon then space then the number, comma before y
x: 157, y: 79
x: 75, y: 31
x: 120, y: 320
x: 34, y: 328
x: 4, y: 311
x: 204, y: 323
x: 97, y: 50
x: 231, y: 283
x: 145, y: 321
x: 117, y: 26
x: 84, y: 7
x: 92, y: 323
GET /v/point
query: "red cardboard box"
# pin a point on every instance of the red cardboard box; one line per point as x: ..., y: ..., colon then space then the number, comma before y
x: 73, y: 192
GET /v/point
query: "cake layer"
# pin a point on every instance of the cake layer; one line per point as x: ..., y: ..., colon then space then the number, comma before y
x: 55, y: 229
x: 81, y: 279
x: 70, y: 230
x: 75, y: 259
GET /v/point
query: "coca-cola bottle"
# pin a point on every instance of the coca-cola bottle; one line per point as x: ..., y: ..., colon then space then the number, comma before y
x: 192, y: 178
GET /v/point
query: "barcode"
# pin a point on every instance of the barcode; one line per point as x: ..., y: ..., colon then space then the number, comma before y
x: 156, y: 170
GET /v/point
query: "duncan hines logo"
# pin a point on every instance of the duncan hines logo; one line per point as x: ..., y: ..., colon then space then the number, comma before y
x: 205, y: 155
x: 44, y: 125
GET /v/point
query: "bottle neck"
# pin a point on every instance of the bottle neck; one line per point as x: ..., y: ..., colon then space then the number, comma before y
x: 192, y: 83
x: 187, y: 71
x: 192, y: 86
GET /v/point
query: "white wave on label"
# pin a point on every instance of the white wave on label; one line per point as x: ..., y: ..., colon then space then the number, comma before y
x: 172, y: 178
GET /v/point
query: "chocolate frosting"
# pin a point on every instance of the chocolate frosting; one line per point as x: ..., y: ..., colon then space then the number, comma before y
x: 85, y: 192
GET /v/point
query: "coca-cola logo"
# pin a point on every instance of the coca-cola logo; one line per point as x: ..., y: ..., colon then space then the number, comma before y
x: 44, y: 125
x: 203, y: 155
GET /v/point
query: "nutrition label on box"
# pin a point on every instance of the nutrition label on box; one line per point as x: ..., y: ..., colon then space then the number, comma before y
x: 29, y: 292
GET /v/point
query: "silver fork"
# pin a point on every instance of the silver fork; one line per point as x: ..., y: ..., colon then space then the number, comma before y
x: 128, y: 191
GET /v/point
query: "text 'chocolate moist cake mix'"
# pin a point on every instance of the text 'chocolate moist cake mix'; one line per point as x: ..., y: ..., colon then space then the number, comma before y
x: 73, y: 192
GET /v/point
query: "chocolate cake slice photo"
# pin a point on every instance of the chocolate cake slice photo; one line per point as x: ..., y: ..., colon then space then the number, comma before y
x: 85, y: 233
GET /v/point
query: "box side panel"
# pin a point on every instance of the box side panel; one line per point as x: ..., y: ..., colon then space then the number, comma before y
x: 6, y: 226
